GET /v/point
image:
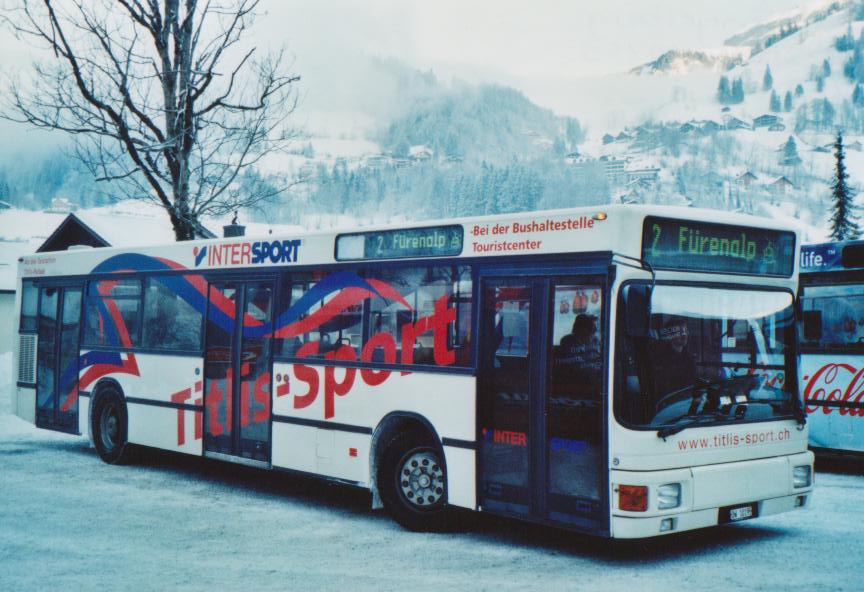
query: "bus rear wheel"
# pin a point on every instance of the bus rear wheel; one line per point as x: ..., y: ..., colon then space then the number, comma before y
x: 412, y: 482
x: 109, y: 427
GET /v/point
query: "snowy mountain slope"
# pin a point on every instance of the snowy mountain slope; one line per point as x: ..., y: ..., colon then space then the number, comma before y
x: 683, y: 61
x: 764, y: 34
x: 686, y: 91
x: 678, y: 109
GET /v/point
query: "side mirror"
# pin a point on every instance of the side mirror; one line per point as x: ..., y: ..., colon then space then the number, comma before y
x: 638, y: 310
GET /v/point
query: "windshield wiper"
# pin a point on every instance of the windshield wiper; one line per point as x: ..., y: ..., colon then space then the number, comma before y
x: 688, y: 421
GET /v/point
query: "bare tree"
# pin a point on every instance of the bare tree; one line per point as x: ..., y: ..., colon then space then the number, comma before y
x: 160, y: 96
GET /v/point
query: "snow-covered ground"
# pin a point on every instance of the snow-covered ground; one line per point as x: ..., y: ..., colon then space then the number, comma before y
x: 70, y: 522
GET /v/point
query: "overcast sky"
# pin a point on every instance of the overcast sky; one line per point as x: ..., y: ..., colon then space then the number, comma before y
x: 514, y: 39
x: 534, y: 46
x: 499, y: 40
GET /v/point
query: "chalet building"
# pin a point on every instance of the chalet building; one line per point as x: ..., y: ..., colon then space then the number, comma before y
x: 451, y: 160
x: 711, y: 126
x: 645, y: 138
x: 632, y: 195
x: 645, y: 177
x: 688, y: 128
x: 74, y: 231
x: 60, y: 205
x: 766, y: 120
x: 608, y: 139
x: 745, y: 180
x: 615, y: 173
x: 402, y: 163
x: 420, y: 153
x: 572, y: 157
x: 781, y: 186
x: 733, y: 123
x: 378, y: 161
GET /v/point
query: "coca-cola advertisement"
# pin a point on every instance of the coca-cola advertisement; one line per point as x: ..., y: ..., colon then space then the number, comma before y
x: 833, y: 390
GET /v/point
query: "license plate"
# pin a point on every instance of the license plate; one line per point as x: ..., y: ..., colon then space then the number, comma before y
x: 743, y: 513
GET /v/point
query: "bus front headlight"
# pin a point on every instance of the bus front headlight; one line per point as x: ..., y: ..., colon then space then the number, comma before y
x: 801, y: 476
x: 668, y: 496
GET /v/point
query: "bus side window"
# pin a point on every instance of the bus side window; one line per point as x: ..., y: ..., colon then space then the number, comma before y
x: 833, y: 316
x: 422, y: 290
x: 29, y: 297
x: 111, y: 313
x: 288, y: 341
x: 170, y: 322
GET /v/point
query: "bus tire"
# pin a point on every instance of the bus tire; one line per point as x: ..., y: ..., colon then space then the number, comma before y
x: 412, y: 482
x: 109, y: 425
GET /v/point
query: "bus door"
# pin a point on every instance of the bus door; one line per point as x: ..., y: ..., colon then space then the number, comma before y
x: 237, y: 356
x: 540, y: 403
x: 59, y: 319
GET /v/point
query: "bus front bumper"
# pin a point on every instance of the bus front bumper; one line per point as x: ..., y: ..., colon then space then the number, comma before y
x: 638, y: 528
x: 710, y: 495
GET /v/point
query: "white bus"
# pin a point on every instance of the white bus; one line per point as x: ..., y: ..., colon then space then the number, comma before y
x: 832, y: 345
x: 608, y: 370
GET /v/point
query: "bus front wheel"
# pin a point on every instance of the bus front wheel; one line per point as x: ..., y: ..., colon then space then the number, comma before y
x: 110, y: 427
x: 412, y: 482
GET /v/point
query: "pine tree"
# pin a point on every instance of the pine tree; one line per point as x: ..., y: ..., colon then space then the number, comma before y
x: 787, y: 101
x: 826, y: 68
x: 737, y: 91
x: 820, y: 84
x: 767, y: 80
x: 724, y: 94
x: 853, y: 68
x: 574, y: 131
x: 799, y: 90
x: 843, y: 225
x: 558, y: 147
x: 828, y: 113
x: 845, y: 42
x: 790, y: 153
x: 858, y: 96
x: 774, y: 102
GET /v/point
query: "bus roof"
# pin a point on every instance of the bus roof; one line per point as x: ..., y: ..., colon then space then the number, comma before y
x: 609, y: 228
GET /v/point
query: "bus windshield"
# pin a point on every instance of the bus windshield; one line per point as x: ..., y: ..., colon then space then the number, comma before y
x: 710, y: 355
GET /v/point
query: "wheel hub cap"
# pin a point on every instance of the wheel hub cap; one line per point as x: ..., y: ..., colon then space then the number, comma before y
x: 110, y: 425
x: 421, y: 479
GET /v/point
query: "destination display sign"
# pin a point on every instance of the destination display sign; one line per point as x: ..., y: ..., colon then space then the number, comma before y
x: 703, y: 246
x: 434, y: 241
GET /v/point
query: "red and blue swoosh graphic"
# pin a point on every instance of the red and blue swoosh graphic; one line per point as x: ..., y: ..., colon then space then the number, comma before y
x: 339, y: 291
